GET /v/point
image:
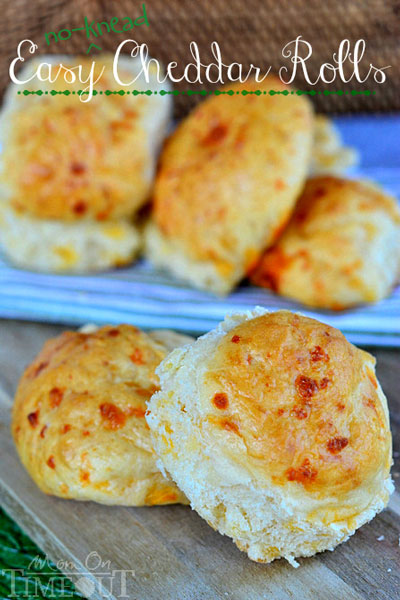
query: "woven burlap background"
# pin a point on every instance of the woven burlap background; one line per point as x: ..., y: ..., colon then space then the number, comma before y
x: 248, y: 31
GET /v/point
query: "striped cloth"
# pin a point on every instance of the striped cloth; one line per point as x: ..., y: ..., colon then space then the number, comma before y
x: 151, y: 299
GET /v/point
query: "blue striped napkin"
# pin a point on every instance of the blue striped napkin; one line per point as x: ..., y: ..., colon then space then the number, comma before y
x: 151, y: 299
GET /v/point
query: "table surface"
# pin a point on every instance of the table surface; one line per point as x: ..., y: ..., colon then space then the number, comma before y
x: 364, y: 567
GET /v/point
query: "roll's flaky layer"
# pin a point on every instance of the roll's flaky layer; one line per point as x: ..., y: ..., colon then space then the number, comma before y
x: 57, y: 246
x: 341, y: 246
x: 227, y: 182
x: 78, y: 417
x: 329, y: 155
x: 277, y: 430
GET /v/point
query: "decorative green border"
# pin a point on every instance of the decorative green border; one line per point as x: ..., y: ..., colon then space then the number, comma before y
x: 202, y: 92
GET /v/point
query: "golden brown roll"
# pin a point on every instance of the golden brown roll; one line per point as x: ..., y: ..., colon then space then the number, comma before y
x: 78, y: 417
x: 277, y: 430
x: 341, y: 247
x: 78, y: 171
x: 228, y: 180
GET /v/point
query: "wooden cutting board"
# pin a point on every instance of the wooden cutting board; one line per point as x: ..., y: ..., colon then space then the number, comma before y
x: 170, y: 553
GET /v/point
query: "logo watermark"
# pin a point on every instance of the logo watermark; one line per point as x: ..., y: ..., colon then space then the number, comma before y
x: 44, y: 579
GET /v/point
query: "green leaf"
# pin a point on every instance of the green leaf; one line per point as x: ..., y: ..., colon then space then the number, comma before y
x: 17, y: 551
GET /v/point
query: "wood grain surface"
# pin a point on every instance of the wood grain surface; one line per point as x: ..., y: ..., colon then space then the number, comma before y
x: 170, y: 553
